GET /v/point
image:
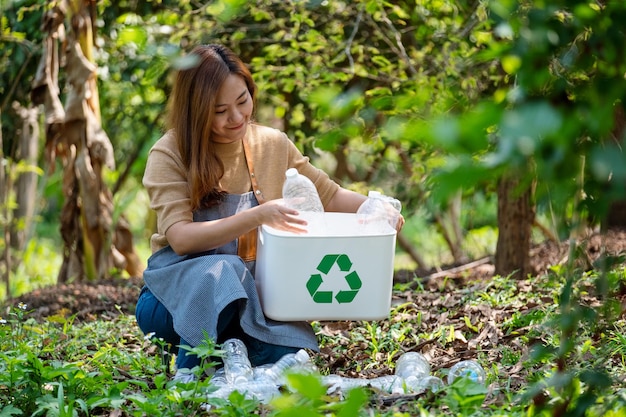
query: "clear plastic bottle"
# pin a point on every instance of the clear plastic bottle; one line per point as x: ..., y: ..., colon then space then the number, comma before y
x: 412, y: 364
x: 262, y: 391
x: 467, y: 369
x: 373, y: 214
x: 395, y: 203
x: 340, y: 385
x: 219, y: 378
x: 379, y: 210
x: 259, y: 390
x: 222, y: 387
x: 385, y: 383
x: 300, y: 193
x: 422, y: 384
x: 259, y: 372
x: 276, y: 372
x: 237, y: 366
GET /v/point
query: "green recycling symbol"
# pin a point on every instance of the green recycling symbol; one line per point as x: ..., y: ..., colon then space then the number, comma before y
x: 352, y: 278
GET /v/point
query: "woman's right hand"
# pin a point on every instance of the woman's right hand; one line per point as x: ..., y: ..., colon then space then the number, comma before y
x: 186, y: 237
x: 276, y: 214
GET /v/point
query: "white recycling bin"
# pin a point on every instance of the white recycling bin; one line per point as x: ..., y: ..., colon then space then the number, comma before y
x: 337, y: 271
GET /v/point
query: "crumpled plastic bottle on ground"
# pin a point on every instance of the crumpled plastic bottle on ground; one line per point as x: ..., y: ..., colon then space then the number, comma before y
x: 262, y: 382
x: 340, y: 385
x: 412, y: 376
x: 237, y: 366
x: 423, y: 384
x: 411, y: 369
x: 276, y: 372
x: 468, y: 369
x: 412, y: 364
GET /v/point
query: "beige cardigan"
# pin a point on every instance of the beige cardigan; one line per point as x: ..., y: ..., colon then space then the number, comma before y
x: 165, y: 177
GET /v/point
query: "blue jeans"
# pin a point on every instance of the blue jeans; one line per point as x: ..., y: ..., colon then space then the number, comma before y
x: 153, y: 317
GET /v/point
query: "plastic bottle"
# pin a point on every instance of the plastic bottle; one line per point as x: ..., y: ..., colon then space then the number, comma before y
x: 376, y: 214
x: 422, y: 384
x: 394, y: 208
x: 385, y: 383
x: 340, y: 385
x: 219, y: 378
x: 236, y: 363
x: 259, y: 372
x: 468, y: 369
x: 260, y: 390
x: 412, y: 364
x: 275, y: 373
x: 395, y: 203
x: 300, y: 193
x: 222, y: 387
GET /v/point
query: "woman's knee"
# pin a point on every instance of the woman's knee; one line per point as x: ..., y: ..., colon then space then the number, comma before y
x: 153, y: 317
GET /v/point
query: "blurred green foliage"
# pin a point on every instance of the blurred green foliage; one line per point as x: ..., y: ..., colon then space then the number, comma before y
x: 417, y: 98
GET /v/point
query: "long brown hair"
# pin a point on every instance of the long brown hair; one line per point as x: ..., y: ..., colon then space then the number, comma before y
x: 191, y: 111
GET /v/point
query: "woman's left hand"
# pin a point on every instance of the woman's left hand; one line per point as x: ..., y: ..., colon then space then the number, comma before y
x: 399, y: 223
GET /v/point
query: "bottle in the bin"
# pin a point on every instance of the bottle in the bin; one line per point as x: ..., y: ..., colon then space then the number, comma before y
x: 378, y: 211
x: 300, y: 193
x: 236, y: 362
x: 373, y: 214
x: 395, y: 203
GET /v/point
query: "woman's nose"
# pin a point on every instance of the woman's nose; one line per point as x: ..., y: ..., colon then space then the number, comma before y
x: 235, y: 115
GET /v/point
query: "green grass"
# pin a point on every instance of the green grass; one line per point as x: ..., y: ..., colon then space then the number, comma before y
x: 559, y: 350
x: 38, y: 268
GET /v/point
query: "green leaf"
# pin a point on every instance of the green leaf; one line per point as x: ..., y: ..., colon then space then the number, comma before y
x: 225, y: 10
x: 328, y: 141
x: 308, y: 385
x: 356, y: 399
x: 132, y: 35
x: 459, y: 173
x: 608, y: 164
x: 9, y: 411
x: 511, y: 63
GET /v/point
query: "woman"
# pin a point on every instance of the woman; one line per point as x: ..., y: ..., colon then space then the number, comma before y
x: 213, y: 178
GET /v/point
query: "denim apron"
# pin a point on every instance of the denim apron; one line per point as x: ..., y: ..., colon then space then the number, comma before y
x: 196, y: 288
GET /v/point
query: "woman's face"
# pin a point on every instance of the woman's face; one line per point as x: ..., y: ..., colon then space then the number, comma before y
x: 233, y: 109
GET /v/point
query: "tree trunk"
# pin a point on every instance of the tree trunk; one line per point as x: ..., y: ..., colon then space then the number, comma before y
x: 5, y: 265
x: 26, y: 182
x: 449, y: 225
x: 516, y: 214
x: 74, y: 134
x: 616, y: 217
x: 406, y: 245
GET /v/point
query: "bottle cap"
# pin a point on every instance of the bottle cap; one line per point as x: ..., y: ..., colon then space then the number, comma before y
x: 373, y: 193
x: 302, y: 356
x: 291, y: 172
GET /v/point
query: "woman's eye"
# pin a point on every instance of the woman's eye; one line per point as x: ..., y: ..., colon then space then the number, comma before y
x: 220, y: 112
x: 241, y: 103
